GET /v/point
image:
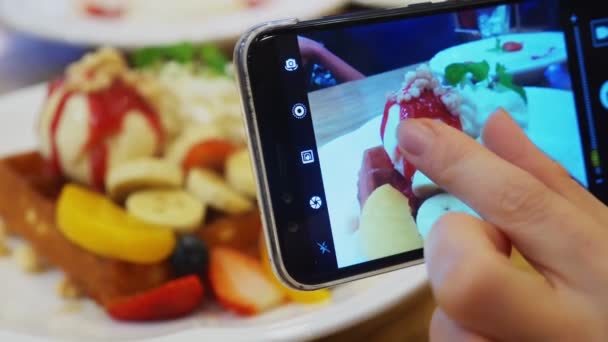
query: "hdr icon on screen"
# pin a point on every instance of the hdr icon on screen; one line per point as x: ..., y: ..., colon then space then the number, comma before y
x: 308, y: 157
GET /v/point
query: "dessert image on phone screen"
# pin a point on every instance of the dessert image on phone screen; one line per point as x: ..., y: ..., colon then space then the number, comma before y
x: 455, y: 68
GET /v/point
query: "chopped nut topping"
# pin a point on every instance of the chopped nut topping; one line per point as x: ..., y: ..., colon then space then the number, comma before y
x: 67, y: 290
x: 96, y: 70
x: 28, y: 260
x: 31, y: 216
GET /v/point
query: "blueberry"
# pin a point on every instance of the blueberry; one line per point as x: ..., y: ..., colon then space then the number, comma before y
x: 191, y: 256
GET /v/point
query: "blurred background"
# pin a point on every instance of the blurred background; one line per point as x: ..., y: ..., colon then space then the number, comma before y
x: 38, y: 39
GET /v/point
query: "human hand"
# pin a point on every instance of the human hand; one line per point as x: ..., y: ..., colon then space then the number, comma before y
x: 528, y: 201
x: 310, y: 50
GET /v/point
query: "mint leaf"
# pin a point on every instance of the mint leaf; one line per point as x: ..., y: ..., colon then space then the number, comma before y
x: 205, y: 56
x: 480, y: 70
x: 146, y: 57
x: 506, y: 80
x: 497, y: 47
x: 182, y: 53
x: 214, y: 58
x: 457, y: 72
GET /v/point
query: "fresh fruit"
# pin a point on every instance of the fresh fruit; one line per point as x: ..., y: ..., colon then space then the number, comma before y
x: 239, y: 232
x: 191, y: 256
x: 210, y: 154
x: 239, y: 173
x: 213, y: 190
x: 144, y: 173
x: 512, y: 47
x: 433, y: 208
x: 171, y: 300
x: 423, y: 187
x: 192, y: 135
x: 304, y: 297
x: 422, y: 96
x: 240, y: 282
x: 97, y: 225
x: 174, y: 208
x: 386, y: 225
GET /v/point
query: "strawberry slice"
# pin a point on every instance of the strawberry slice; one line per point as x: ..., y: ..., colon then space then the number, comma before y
x: 240, y: 283
x: 171, y: 300
x: 512, y: 47
x: 211, y: 154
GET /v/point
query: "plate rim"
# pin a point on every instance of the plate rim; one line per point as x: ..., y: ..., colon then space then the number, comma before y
x: 433, y: 62
x: 86, y: 38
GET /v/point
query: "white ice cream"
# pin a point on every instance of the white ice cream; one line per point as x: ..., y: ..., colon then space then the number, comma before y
x: 479, y: 102
x: 136, y: 138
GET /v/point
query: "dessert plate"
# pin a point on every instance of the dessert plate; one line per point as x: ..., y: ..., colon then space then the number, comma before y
x: 539, y: 51
x: 31, y: 309
x: 64, y: 21
x: 553, y: 127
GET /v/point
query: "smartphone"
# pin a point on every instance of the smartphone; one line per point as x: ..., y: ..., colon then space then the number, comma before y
x: 323, y: 99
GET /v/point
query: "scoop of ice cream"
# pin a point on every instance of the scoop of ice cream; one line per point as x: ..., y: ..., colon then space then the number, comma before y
x: 65, y: 133
x: 479, y: 102
x: 96, y: 118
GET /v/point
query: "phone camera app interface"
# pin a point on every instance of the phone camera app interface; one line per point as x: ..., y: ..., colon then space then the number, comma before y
x: 458, y: 68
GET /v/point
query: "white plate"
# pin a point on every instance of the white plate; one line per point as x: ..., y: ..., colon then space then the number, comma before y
x: 522, y: 63
x: 30, y: 306
x: 60, y: 20
x: 553, y: 127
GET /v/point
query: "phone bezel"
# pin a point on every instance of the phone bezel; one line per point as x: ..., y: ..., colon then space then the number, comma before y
x: 243, y: 54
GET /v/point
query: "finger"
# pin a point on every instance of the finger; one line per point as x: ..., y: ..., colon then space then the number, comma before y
x: 444, y: 329
x: 504, y: 137
x: 478, y: 287
x: 523, y: 207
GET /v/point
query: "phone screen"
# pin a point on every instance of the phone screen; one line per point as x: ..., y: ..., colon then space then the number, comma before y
x: 362, y: 79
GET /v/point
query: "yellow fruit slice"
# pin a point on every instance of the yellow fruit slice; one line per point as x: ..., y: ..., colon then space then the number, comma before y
x: 386, y: 225
x: 303, y: 297
x: 97, y: 225
x: 173, y: 208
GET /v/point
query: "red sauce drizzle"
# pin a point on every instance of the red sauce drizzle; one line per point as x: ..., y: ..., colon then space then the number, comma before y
x: 427, y: 105
x: 108, y: 109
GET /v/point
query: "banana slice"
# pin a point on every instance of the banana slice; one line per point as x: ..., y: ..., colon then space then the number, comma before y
x: 423, y: 186
x: 213, y: 190
x: 240, y: 174
x: 386, y: 225
x: 141, y: 174
x: 433, y: 208
x: 173, y: 208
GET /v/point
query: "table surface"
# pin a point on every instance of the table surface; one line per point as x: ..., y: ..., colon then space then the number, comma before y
x: 25, y: 60
x: 346, y: 107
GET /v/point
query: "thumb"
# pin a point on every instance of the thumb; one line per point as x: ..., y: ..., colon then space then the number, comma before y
x: 479, y: 288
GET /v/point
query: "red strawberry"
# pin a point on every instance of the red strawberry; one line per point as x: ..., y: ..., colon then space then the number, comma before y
x: 512, y: 47
x: 240, y: 283
x: 171, y: 300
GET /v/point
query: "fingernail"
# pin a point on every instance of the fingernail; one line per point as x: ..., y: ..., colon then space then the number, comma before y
x: 414, y: 136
